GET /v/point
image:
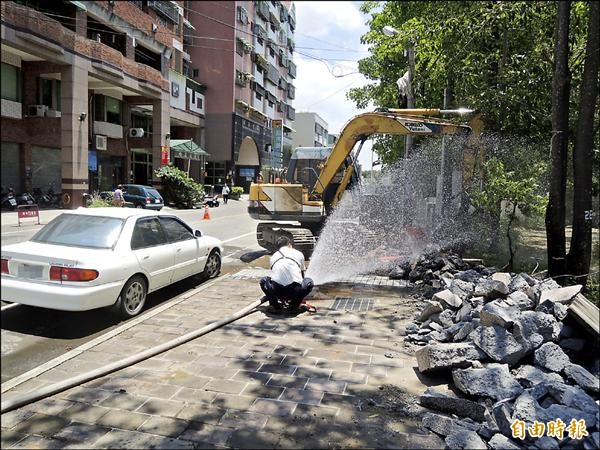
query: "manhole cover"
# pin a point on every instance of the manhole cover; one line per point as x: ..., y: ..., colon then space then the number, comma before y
x: 353, y: 304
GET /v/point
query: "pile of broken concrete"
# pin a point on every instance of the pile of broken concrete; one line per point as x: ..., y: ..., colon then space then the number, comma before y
x: 511, y: 355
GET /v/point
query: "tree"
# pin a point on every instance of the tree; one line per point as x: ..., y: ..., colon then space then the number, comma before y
x: 555, y: 211
x: 581, y: 239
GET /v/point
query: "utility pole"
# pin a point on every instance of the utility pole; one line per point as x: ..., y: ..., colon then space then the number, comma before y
x: 446, y: 169
x: 410, y: 93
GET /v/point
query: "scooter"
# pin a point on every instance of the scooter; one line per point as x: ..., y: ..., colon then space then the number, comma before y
x: 25, y: 198
x: 211, y: 200
x: 41, y: 198
x: 9, y: 200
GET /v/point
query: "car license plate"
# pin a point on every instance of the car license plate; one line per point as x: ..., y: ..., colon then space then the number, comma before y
x: 157, y: 200
x: 30, y: 271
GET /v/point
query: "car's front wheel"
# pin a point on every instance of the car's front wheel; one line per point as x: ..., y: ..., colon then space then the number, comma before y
x: 132, y: 297
x: 213, y: 265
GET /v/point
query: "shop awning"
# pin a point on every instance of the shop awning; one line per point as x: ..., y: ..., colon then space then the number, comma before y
x: 187, y: 149
x: 80, y: 5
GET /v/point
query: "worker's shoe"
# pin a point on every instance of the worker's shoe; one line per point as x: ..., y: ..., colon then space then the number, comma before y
x: 274, y: 310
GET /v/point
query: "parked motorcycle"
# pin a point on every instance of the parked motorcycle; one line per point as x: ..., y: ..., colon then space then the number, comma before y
x: 8, y: 200
x: 211, y: 201
x: 41, y: 198
x: 25, y: 198
x: 54, y: 197
x: 210, y: 198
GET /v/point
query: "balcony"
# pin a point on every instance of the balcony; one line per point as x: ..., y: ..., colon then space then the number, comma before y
x: 273, y: 74
x: 292, y: 69
x: 33, y: 26
x: 166, y: 9
x: 263, y: 10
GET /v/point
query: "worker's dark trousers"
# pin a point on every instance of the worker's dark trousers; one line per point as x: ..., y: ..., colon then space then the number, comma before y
x: 294, y: 293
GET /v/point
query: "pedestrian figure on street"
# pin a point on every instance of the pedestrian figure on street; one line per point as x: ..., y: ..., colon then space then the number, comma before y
x: 287, y: 285
x: 225, y: 193
x: 118, y: 199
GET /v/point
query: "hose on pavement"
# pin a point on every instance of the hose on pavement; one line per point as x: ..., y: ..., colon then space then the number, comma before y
x: 46, y: 391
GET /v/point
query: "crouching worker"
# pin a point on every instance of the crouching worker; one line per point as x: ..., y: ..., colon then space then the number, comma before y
x: 287, y: 285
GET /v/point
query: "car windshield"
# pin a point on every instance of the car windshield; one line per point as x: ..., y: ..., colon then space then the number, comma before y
x: 153, y: 193
x: 81, y: 231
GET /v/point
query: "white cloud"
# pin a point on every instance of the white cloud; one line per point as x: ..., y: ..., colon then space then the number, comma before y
x: 321, y: 18
x: 330, y: 31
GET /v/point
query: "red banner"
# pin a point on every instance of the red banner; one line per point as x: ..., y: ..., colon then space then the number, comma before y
x: 164, y: 155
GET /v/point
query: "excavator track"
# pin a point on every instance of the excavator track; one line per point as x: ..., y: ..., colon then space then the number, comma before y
x: 267, y: 234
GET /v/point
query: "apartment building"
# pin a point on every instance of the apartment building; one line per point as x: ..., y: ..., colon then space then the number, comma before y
x: 93, y: 93
x: 243, y: 54
x: 310, y: 131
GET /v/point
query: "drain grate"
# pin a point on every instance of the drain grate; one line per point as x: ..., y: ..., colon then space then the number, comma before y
x: 353, y: 304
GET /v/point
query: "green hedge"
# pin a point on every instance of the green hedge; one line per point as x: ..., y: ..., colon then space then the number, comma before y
x: 178, y: 188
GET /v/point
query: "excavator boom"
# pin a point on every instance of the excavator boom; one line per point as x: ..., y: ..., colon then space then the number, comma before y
x: 390, y: 121
x: 310, y: 202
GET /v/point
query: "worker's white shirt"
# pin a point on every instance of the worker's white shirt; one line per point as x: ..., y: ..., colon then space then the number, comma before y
x: 287, y: 265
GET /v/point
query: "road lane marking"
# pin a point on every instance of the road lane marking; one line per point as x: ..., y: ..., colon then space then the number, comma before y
x: 238, y: 237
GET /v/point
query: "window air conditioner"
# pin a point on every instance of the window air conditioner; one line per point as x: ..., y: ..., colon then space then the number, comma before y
x: 136, y: 132
x: 101, y: 142
x: 53, y: 113
x: 37, y: 110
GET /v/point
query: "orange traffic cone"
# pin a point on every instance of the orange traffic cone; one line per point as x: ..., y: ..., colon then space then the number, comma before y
x: 206, y: 213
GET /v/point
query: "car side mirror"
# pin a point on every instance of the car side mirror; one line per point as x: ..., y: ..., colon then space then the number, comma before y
x: 197, y: 233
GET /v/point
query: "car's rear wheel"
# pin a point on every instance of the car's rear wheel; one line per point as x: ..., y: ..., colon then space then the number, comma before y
x: 213, y: 265
x: 139, y: 205
x: 132, y: 297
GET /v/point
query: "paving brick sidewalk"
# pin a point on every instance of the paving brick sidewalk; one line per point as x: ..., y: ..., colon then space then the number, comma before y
x: 261, y: 382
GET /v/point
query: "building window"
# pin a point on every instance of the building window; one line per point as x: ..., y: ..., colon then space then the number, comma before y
x: 141, y: 121
x: 240, y: 78
x: 11, y: 83
x: 108, y: 109
x: 242, y: 15
x: 239, y: 47
x: 258, y: 95
x: 49, y: 93
x: 113, y: 111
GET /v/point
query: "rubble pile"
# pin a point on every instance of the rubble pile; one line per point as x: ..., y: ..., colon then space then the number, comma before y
x: 511, y: 355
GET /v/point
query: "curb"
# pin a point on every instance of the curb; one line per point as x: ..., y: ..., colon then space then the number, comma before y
x: 13, y: 382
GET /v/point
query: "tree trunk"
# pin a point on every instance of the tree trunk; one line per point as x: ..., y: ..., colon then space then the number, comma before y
x: 555, y: 211
x: 581, y: 240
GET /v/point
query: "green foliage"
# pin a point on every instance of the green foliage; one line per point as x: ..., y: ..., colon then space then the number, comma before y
x: 502, y: 184
x: 237, y: 190
x: 495, y: 57
x: 94, y: 201
x: 178, y: 188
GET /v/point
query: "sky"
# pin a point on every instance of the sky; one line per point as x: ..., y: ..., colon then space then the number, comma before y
x: 328, y: 44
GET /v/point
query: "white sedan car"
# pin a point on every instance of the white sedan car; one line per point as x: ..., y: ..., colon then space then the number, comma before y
x: 92, y: 258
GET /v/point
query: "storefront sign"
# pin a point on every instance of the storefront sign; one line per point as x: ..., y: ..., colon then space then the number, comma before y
x: 92, y: 161
x: 164, y: 155
x: 277, y: 143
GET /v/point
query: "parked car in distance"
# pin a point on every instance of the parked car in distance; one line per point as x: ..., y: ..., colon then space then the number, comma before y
x: 105, y: 257
x: 142, y: 197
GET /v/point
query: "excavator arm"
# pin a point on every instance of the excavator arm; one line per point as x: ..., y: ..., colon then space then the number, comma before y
x: 384, y: 121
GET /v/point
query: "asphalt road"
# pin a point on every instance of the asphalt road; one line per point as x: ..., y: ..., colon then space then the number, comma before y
x: 33, y: 336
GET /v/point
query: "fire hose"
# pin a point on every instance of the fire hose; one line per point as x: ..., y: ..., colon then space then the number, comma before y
x: 30, y: 397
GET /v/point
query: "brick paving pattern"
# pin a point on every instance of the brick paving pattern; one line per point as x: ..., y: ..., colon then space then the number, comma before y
x: 261, y: 382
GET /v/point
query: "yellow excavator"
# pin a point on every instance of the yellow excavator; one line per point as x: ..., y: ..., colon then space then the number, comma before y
x: 317, y: 177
